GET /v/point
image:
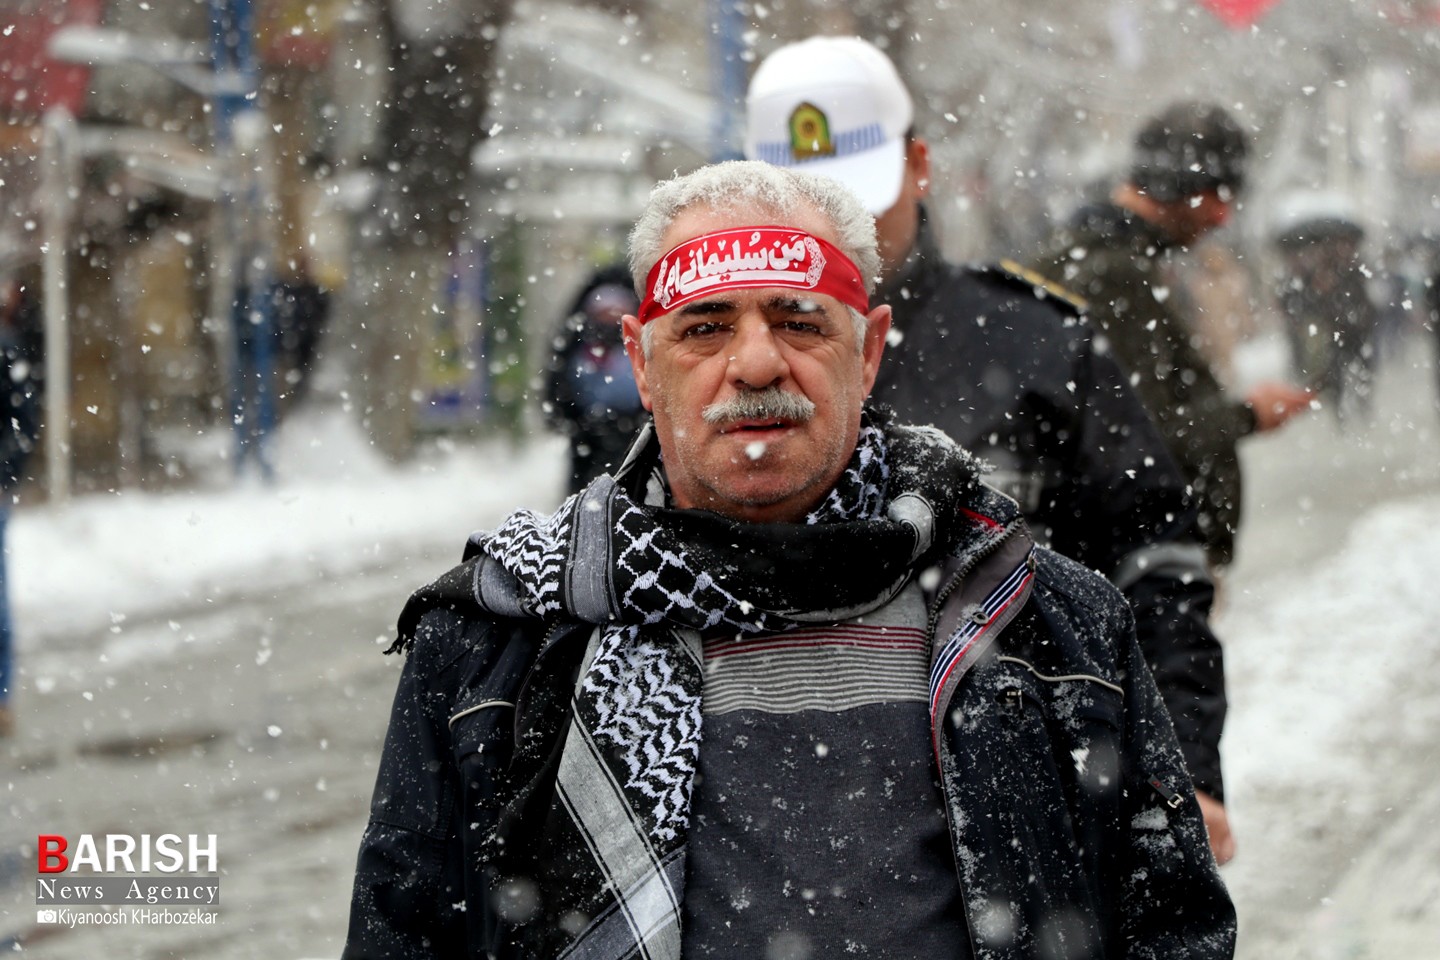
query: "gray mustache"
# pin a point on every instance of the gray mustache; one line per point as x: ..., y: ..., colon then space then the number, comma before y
x: 770, y: 403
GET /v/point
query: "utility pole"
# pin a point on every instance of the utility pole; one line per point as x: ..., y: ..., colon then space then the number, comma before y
x: 240, y: 136
x: 726, y: 56
x: 62, y: 153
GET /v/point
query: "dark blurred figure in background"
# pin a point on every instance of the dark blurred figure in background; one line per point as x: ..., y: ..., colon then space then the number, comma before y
x: 302, y: 308
x: 1396, y: 288
x: 21, y: 351
x: 590, y: 389
x: 1432, y: 318
x: 1188, y: 169
x: 1012, y: 373
x: 1329, y: 317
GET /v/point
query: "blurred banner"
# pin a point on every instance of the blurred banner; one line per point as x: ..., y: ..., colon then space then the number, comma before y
x: 1238, y: 14
x: 31, y: 82
x: 454, y: 377
x: 298, y: 33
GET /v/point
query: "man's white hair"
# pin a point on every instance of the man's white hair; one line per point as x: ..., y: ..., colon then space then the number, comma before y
x: 753, y: 187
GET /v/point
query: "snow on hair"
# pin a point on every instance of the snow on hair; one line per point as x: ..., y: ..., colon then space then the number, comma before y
x: 751, y: 186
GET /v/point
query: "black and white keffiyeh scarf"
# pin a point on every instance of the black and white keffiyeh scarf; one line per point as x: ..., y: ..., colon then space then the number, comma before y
x: 653, y: 580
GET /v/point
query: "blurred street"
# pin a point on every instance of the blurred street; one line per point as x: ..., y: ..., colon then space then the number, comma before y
x: 258, y: 720
x: 246, y: 698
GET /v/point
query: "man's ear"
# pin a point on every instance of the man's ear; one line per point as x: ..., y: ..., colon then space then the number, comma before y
x: 876, y: 331
x: 917, y: 165
x: 630, y: 327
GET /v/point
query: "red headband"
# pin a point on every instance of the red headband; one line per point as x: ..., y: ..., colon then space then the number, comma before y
x: 749, y: 257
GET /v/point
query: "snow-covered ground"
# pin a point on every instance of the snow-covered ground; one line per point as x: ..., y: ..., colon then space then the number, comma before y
x: 1329, y: 619
x: 1332, y: 749
x: 337, y: 507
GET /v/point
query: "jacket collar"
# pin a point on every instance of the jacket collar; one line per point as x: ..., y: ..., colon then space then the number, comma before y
x: 1109, y: 219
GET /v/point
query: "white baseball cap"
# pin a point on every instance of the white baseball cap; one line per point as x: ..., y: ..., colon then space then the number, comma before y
x: 833, y: 106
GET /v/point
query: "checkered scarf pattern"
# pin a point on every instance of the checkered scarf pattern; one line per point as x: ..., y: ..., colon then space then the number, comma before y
x: 656, y: 580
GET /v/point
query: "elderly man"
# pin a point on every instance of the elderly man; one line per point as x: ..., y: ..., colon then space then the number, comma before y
x: 792, y: 683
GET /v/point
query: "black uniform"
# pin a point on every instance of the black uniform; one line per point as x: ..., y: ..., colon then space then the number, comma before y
x: 1013, y: 373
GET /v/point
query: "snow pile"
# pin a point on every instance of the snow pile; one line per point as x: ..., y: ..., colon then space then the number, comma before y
x: 1305, y: 647
x: 336, y: 507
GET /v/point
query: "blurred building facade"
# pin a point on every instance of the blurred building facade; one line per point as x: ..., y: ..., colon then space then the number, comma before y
x: 451, y: 170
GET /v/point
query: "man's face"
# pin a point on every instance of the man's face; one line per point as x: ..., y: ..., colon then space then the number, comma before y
x: 760, y: 467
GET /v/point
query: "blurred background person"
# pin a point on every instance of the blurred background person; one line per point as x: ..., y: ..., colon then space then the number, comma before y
x: 1330, y: 320
x: 1187, y: 171
x: 590, y: 389
x: 1432, y: 320
x: 302, y: 310
x: 21, y: 354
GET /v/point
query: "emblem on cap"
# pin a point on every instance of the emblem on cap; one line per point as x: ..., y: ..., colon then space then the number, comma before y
x: 810, y: 133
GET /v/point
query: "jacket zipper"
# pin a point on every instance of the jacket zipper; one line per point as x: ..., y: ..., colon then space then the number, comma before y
x: 934, y: 622
x: 954, y: 582
x: 1172, y: 799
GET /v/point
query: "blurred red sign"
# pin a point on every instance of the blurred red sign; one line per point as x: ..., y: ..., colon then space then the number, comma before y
x: 299, y: 33
x: 31, y: 82
x: 1238, y: 14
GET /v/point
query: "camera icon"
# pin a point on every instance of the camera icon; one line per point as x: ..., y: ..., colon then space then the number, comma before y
x: 47, y: 916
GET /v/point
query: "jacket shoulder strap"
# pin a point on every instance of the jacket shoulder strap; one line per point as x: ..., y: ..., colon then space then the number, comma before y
x: 1014, y: 275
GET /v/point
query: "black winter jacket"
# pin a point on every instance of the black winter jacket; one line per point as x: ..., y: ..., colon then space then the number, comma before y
x: 1071, y: 816
x: 1013, y: 373
x: 1120, y: 264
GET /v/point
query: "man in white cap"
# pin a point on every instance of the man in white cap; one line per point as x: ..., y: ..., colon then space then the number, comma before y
x: 1001, y: 361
